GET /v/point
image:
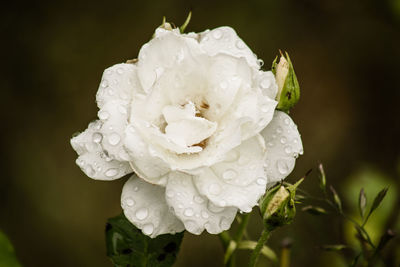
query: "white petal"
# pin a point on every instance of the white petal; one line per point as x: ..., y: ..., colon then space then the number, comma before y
x: 188, y: 132
x: 193, y: 209
x: 265, y: 80
x: 144, y: 162
x: 166, y: 49
x: 240, y: 177
x: 224, y: 40
x: 144, y: 205
x: 177, y: 113
x: 283, y: 145
x: 93, y: 159
x: 118, y: 83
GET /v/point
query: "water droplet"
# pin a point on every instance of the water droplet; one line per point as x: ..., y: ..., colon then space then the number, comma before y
x: 223, y: 85
x: 136, y: 188
x: 287, y: 121
x: 217, y: 34
x: 142, y: 213
x: 279, y: 130
x: 103, y: 115
x: 260, y: 62
x: 265, y: 108
x: 282, y: 167
x: 261, y: 181
x: 148, y: 229
x: 214, y: 189
x: 198, y: 199
x: 170, y: 194
x: 111, y: 172
x: 114, y: 139
x: 283, y: 140
x: 89, y: 170
x: 188, y: 212
x: 97, y: 137
x: 288, y: 149
x: 104, y: 83
x: 240, y: 44
x: 131, y: 128
x: 111, y: 91
x: 122, y: 109
x: 214, y: 208
x: 229, y: 174
x: 295, y: 141
x: 120, y: 70
x: 265, y: 83
x: 204, y: 214
x: 270, y: 144
x: 224, y: 223
x: 129, y: 202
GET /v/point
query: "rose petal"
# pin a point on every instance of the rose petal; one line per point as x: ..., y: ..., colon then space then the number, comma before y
x: 144, y: 205
x: 144, y: 162
x: 240, y: 177
x: 195, y: 211
x: 265, y: 80
x: 93, y: 159
x: 224, y: 40
x: 283, y: 145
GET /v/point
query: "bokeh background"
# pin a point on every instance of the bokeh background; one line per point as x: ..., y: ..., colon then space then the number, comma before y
x: 346, y: 56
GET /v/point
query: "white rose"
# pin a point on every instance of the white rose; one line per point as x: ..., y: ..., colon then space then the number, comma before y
x: 195, y: 119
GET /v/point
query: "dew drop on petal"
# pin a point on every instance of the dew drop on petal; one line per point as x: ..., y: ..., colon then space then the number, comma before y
x: 97, y: 137
x: 282, y: 167
x: 129, y: 202
x: 136, y: 188
x: 240, y: 44
x: 265, y: 83
x: 111, y: 172
x: 188, y: 212
x: 214, y: 189
x: 224, y: 223
x: 288, y: 149
x: 198, y: 199
x: 287, y: 121
x: 261, y: 181
x: 120, y: 71
x: 270, y: 144
x: 283, y: 140
x: 260, y: 62
x: 103, y: 115
x: 142, y: 213
x: 214, y: 208
x: 204, y: 214
x: 229, y: 174
x: 148, y: 229
x: 217, y: 34
x: 264, y: 108
x: 114, y: 139
x: 89, y: 170
x: 104, y: 83
x: 279, y: 130
x: 190, y: 225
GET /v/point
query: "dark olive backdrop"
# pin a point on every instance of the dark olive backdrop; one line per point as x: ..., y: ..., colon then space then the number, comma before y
x: 346, y: 55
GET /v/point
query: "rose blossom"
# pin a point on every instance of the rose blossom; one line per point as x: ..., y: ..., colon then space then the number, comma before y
x: 194, y: 118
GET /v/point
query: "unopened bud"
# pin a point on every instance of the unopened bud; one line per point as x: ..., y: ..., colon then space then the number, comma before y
x: 288, y: 86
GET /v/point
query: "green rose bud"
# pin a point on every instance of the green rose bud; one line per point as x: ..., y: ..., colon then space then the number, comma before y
x: 288, y: 86
x: 278, y: 205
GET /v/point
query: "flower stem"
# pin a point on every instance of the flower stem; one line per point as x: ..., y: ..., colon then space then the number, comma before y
x: 256, y: 252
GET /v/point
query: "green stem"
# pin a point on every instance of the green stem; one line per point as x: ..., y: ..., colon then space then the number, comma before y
x: 229, y: 254
x: 256, y: 252
x: 242, y: 228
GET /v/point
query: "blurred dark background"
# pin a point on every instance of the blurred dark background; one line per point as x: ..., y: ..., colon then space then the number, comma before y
x: 346, y: 55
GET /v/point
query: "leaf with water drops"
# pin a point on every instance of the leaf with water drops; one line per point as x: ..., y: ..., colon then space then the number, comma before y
x: 7, y: 254
x: 128, y: 246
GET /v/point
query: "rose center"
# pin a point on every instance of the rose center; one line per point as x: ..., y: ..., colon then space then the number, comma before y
x: 184, y: 127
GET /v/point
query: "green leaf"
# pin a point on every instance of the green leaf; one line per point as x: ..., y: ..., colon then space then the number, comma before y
x: 336, y: 199
x: 128, y: 246
x: 314, y: 210
x: 273, y: 67
x: 377, y: 201
x: 362, y: 202
x: 7, y: 253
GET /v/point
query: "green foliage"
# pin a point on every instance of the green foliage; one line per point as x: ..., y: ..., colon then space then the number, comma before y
x: 7, y: 254
x: 128, y: 246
